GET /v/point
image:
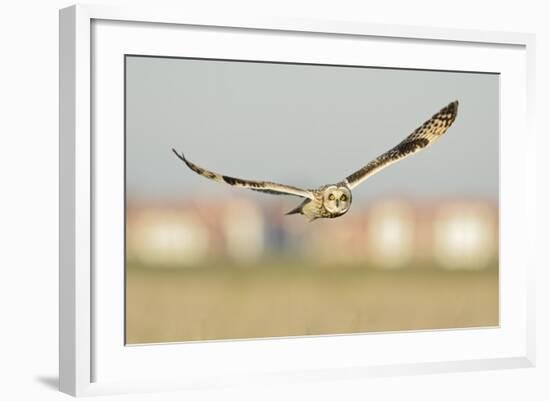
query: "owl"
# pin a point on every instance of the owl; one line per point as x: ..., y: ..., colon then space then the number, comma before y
x: 334, y: 200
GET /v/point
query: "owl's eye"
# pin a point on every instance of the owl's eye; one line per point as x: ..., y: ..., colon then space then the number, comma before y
x: 331, y: 197
x: 343, y: 198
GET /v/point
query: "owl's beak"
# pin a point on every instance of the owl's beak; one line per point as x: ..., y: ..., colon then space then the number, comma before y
x: 337, y: 202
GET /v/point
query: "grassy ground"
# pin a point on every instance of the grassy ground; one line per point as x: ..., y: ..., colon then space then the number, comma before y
x: 283, y: 300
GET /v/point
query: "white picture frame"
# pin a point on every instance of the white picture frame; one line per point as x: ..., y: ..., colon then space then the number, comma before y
x: 94, y: 360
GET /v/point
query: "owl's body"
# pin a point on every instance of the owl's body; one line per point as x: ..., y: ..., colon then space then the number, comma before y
x: 330, y: 201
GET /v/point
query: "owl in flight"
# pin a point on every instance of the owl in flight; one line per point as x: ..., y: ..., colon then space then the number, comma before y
x: 334, y: 200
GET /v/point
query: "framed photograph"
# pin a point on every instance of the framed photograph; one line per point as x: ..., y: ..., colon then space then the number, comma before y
x: 274, y: 200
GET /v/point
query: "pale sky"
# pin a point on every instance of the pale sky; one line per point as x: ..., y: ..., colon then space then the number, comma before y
x: 304, y: 125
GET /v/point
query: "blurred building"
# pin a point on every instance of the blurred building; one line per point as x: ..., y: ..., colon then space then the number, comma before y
x: 243, y: 230
x: 391, y: 238
x: 191, y: 233
x: 390, y: 233
x: 165, y: 236
x: 465, y: 235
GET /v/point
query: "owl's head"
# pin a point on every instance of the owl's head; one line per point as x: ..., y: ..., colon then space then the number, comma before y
x: 337, y: 199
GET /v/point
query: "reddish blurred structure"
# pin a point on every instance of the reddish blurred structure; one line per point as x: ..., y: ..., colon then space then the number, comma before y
x: 389, y: 233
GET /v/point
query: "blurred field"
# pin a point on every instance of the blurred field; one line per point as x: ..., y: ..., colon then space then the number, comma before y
x: 164, y: 305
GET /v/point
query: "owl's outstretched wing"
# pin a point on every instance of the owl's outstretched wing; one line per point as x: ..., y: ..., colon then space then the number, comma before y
x: 262, y: 186
x: 423, y: 136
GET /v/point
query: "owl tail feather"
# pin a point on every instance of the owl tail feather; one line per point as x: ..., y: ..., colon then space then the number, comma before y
x: 297, y: 209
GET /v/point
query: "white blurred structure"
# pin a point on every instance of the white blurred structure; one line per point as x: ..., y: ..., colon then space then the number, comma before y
x: 166, y: 237
x: 391, y: 234
x: 186, y: 234
x: 464, y: 236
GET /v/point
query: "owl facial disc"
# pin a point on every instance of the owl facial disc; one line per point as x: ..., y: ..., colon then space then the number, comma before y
x: 337, y: 199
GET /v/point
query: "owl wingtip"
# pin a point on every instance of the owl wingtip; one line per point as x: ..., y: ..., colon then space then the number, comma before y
x: 451, y: 108
x: 180, y: 156
x: 453, y: 105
